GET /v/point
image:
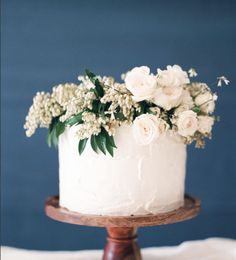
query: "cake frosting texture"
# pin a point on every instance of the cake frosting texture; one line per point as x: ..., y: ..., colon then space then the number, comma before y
x: 138, y: 180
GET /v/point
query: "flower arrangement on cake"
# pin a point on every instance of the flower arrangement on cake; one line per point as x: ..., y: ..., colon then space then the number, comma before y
x: 149, y: 119
x: 153, y: 104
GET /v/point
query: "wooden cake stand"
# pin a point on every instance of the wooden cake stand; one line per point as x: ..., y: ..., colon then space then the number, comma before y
x: 122, y: 230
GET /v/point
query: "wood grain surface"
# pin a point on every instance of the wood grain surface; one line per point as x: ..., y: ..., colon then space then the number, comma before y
x: 190, y: 209
x: 122, y: 230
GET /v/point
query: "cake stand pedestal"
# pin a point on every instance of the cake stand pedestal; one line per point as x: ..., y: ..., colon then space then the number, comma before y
x: 122, y: 230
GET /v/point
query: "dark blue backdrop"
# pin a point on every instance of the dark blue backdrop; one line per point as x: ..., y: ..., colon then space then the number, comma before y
x: 47, y: 42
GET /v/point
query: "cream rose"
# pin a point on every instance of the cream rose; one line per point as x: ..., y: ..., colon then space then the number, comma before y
x: 205, y: 124
x: 140, y: 83
x: 186, y: 103
x: 173, y: 76
x: 187, y: 123
x: 168, y: 97
x: 170, y: 87
x: 206, y: 102
x: 147, y: 128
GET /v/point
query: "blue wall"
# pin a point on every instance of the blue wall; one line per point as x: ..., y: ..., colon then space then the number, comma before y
x: 47, y: 42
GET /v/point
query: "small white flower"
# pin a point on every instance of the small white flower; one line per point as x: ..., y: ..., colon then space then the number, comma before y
x: 192, y: 73
x: 215, y: 97
x: 205, y: 124
x: 173, y: 76
x: 123, y: 75
x: 206, y: 102
x: 187, y: 123
x: 140, y: 83
x: 147, y: 128
x: 222, y: 80
x: 86, y: 81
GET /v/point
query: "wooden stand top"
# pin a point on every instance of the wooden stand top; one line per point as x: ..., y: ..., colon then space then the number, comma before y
x: 190, y: 209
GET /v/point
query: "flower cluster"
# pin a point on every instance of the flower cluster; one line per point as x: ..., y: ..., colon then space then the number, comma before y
x: 185, y: 107
x: 151, y: 103
x: 91, y: 125
x: 121, y: 101
x: 42, y: 112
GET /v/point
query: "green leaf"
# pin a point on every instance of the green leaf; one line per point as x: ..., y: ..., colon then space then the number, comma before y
x: 98, y: 90
x: 49, y: 141
x: 54, y: 121
x: 109, y: 149
x: 109, y: 139
x: 94, y: 143
x: 101, y: 142
x: 149, y: 111
x: 142, y: 108
x: 60, y: 128
x: 82, y: 145
x: 77, y: 119
x: 54, y: 138
x: 101, y: 108
x: 119, y: 116
x: 95, y: 106
x: 90, y: 75
x: 56, y: 128
x: 112, y: 141
x: 95, y: 92
x: 196, y: 109
x: 50, y: 129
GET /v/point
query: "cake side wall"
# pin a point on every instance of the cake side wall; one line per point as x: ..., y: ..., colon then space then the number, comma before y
x: 137, y: 180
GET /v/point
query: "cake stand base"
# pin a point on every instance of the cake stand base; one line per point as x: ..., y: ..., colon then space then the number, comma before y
x: 121, y: 244
x: 122, y: 230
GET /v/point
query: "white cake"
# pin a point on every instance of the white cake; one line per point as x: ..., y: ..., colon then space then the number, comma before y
x: 138, y: 180
x: 149, y: 119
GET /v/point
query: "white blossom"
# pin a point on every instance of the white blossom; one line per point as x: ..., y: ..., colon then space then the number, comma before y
x: 41, y: 113
x: 83, y: 98
x: 187, y: 123
x: 170, y: 101
x: 91, y: 126
x: 173, y: 76
x: 206, y: 102
x: 169, y: 93
x: 63, y: 93
x: 197, y: 88
x: 120, y: 98
x: 205, y: 124
x: 222, y: 80
x: 140, y: 83
x: 168, y: 97
x: 192, y: 73
x: 86, y: 82
x: 147, y: 128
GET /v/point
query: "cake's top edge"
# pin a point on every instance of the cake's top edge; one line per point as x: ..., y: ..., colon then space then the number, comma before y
x: 152, y: 103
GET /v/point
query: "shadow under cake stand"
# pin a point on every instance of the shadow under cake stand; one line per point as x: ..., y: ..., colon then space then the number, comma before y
x: 122, y: 230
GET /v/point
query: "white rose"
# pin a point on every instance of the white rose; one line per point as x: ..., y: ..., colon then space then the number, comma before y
x: 205, y: 124
x: 170, y: 87
x: 147, y: 128
x: 186, y: 103
x: 206, y: 102
x: 174, y: 76
x: 140, y: 83
x: 187, y: 99
x: 187, y: 123
x: 168, y: 97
